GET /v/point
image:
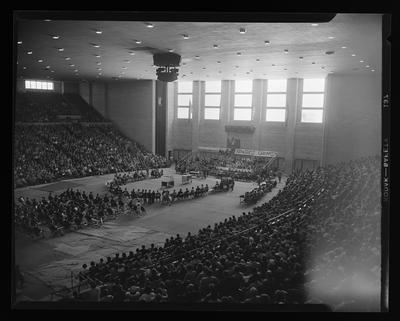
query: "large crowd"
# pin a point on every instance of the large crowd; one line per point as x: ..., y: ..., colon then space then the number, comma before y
x: 275, y: 254
x: 225, y: 164
x: 46, y: 153
x: 51, y: 107
x: 57, y: 214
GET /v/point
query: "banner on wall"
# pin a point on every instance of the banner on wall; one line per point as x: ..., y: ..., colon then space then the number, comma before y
x: 257, y: 153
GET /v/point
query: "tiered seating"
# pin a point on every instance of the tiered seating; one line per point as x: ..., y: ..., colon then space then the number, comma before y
x: 263, y: 256
x: 45, y: 153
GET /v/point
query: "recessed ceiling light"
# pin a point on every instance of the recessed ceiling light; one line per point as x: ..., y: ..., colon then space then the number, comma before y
x: 76, y: 70
x: 71, y: 65
x: 132, y: 53
x: 286, y: 51
x: 60, y: 49
x: 127, y: 61
x: 47, y: 67
x: 97, y: 56
x: 367, y: 66
x: 19, y: 42
x: 99, y: 32
x: 267, y: 42
x: 344, y: 47
x: 23, y: 67
x: 124, y: 67
x: 300, y: 57
x: 96, y: 46
x: 47, y: 20
x: 361, y: 60
x: 215, y: 46
x: 353, y: 55
x: 196, y: 57
x: 52, y: 71
x: 239, y: 53
x: 314, y: 24
x: 55, y: 37
x: 99, y: 73
x: 138, y: 41
x: 99, y: 69
x: 122, y: 72
x: 257, y: 59
x: 242, y: 30
x: 331, y: 37
x: 40, y: 60
x: 372, y: 70
x: 171, y: 50
x: 67, y: 58
x: 149, y: 25
x: 185, y: 36
x: 218, y: 62
x: 29, y: 52
x: 98, y: 63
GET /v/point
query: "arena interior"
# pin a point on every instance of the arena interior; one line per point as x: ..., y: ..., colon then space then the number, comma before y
x: 198, y: 162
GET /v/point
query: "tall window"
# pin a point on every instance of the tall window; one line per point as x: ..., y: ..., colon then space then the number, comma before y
x: 212, y: 101
x: 243, y: 100
x: 39, y: 85
x: 185, y: 98
x: 313, y: 100
x: 276, y: 100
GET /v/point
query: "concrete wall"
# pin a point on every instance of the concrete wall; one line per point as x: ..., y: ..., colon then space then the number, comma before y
x: 353, y: 126
x: 131, y: 107
x: 99, y: 98
x: 84, y: 91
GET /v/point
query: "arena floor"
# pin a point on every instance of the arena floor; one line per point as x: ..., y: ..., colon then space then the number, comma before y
x: 48, y: 263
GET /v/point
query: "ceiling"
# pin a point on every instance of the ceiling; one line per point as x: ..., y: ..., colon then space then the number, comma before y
x: 360, y: 34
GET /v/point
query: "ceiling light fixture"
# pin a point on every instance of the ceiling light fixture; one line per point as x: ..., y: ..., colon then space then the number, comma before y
x: 344, y: 47
x: 197, y: 57
x: 99, y: 32
x: 29, y: 52
x: 361, y: 60
x: 367, y: 66
x: 149, y: 25
x: 40, y: 60
x: 132, y: 53
x: 215, y: 46
x: 170, y: 50
x: 300, y: 57
x: 314, y: 25
x: 55, y: 37
x: 138, y: 41
x: 60, y: 49
x: 286, y: 51
x: 96, y: 46
x: 239, y: 53
x: 71, y: 65
x: 185, y: 36
x: 67, y: 58
x: 19, y: 42
x: 372, y: 70
x: 242, y: 30
x: 127, y: 61
x: 353, y: 55
x: 331, y: 37
x: 267, y: 42
x: 47, y: 20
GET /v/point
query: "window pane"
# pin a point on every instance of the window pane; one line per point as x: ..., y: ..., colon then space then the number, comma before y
x: 213, y: 86
x: 27, y: 84
x: 183, y: 112
x: 185, y: 87
x: 243, y: 100
x: 276, y: 115
x: 38, y: 85
x: 184, y: 100
x: 243, y: 86
x: 211, y: 113
x: 276, y: 100
x: 313, y: 84
x: 50, y: 86
x: 213, y: 100
x: 44, y: 85
x: 311, y: 116
x: 313, y: 100
x: 242, y: 114
x: 277, y: 85
x: 33, y: 84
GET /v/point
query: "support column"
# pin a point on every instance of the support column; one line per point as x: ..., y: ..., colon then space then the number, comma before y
x: 292, y: 110
x: 198, y: 89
